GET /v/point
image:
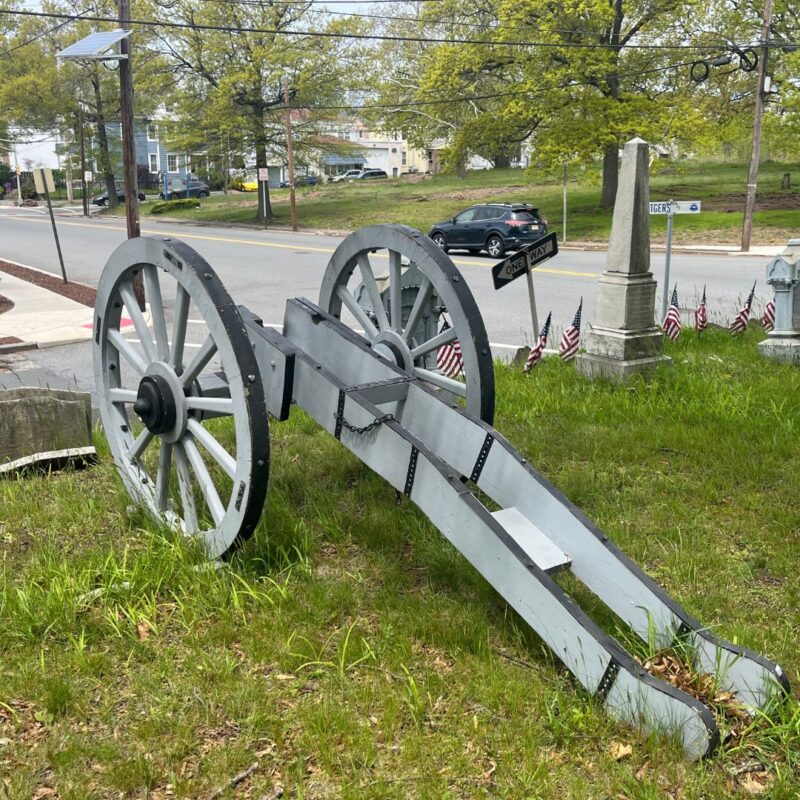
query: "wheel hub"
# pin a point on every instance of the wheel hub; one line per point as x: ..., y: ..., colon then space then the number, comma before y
x: 155, y: 404
x: 392, y: 346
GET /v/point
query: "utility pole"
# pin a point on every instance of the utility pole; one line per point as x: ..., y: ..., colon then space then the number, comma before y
x: 292, y: 203
x: 755, y: 156
x: 126, y: 113
x: 128, y: 142
x: 84, y: 196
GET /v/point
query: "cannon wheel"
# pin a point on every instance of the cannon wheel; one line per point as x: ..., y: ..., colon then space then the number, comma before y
x: 394, y: 328
x: 174, y: 458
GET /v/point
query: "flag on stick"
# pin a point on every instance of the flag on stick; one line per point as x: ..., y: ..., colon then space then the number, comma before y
x: 740, y: 320
x: 568, y: 348
x: 449, y: 358
x: 768, y: 320
x: 701, y: 315
x: 672, y: 322
x: 535, y: 356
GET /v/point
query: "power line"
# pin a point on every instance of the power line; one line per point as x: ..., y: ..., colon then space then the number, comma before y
x: 361, y: 36
x: 38, y: 36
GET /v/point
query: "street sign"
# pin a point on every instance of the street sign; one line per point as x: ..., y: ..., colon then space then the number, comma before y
x: 263, y: 174
x: 43, y: 180
x: 676, y: 207
x: 524, y: 260
x: 87, y: 176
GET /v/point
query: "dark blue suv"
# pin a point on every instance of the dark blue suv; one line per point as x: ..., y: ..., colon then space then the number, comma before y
x: 493, y: 227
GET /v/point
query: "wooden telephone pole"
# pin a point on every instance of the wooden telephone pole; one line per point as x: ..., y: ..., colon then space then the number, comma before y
x: 752, y: 177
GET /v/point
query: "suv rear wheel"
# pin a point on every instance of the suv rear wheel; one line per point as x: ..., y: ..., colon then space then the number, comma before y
x: 440, y: 240
x: 495, y: 247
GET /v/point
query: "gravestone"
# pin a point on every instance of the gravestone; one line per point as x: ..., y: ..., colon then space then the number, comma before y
x: 624, y: 339
x: 41, y: 427
x: 783, y: 342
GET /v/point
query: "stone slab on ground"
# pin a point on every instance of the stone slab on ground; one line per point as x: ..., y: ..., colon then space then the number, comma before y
x: 40, y: 426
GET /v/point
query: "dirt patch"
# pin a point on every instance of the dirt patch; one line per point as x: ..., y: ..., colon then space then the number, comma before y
x: 5, y: 305
x: 84, y: 295
x: 9, y: 340
x: 777, y: 201
x: 476, y: 194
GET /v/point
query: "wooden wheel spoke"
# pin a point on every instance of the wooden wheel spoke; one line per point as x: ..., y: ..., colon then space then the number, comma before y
x: 122, y: 395
x: 442, y: 381
x: 142, y: 331
x: 127, y: 351
x: 219, y: 405
x: 205, y: 480
x: 179, y: 328
x: 447, y: 335
x: 199, y: 362
x: 153, y: 294
x: 368, y: 276
x: 185, y: 488
x: 395, y: 290
x: 162, y: 478
x: 419, y: 304
x: 346, y: 296
x: 213, y: 447
x: 140, y: 444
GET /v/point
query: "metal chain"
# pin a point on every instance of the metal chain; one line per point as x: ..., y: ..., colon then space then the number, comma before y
x: 367, y: 428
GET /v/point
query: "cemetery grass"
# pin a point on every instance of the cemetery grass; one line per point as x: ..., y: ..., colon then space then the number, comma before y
x: 350, y: 652
x: 421, y: 201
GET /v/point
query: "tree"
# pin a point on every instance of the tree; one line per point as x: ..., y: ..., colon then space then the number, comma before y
x: 230, y: 79
x: 575, y: 78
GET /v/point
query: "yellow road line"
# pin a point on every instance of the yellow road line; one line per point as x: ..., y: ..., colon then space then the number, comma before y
x: 276, y: 245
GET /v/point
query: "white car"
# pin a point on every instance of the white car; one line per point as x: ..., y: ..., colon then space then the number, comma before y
x: 350, y: 175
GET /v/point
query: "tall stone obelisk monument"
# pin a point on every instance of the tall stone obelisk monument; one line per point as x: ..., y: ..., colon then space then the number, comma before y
x: 624, y: 338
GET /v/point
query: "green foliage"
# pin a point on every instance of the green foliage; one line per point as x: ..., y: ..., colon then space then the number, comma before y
x: 351, y: 652
x: 167, y: 206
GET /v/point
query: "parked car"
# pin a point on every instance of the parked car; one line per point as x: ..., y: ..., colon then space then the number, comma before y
x: 350, y: 175
x: 301, y: 180
x: 177, y: 190
x: 371, y: 174
x: 494, y: 227
x: 102, y: 199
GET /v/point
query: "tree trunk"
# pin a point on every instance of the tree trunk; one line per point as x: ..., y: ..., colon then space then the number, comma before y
x: 610, y: 175
x: 461, y: 170
x: 264, y: 203
x: 102, y: 141
x: 502, y: 161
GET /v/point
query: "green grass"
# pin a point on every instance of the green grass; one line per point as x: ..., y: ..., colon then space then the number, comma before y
x: 421, y: 201
x: 351, y: 652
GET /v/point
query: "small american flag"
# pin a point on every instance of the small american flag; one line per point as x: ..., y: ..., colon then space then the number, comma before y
x: 448, y: 357
x: 768, y: 320
x: 701, y: 315
x: 535, y: 356
x: 672, y: 322
x: 568, y: 348
x: 740, y: 320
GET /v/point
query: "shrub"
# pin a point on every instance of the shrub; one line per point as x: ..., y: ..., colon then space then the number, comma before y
x: 165, y: 206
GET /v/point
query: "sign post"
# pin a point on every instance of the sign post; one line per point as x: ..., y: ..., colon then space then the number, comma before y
x: 522, y: 263
x: 670, y: 209
x: 263, y: 180
x: 43, y: 179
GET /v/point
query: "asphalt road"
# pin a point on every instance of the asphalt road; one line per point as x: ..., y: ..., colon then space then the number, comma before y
x: 261, y: 269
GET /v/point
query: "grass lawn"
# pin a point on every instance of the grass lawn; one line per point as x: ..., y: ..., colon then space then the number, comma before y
x: 350, y: 652
x: 420, y: 201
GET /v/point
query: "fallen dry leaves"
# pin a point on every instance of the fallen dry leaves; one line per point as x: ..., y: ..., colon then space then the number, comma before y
x: 619, y: 750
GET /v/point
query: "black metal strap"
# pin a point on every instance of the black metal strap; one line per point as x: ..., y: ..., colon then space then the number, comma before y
x: 412, y: 469
x: 339, y: 415
x: 681, y: 633
x: 607, y: 681
x: 478, y: 468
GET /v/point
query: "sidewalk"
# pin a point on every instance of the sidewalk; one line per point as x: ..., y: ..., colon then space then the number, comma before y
x: 42, y: 317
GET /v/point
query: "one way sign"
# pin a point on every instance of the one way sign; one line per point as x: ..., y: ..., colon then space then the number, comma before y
x: 528, y: 257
